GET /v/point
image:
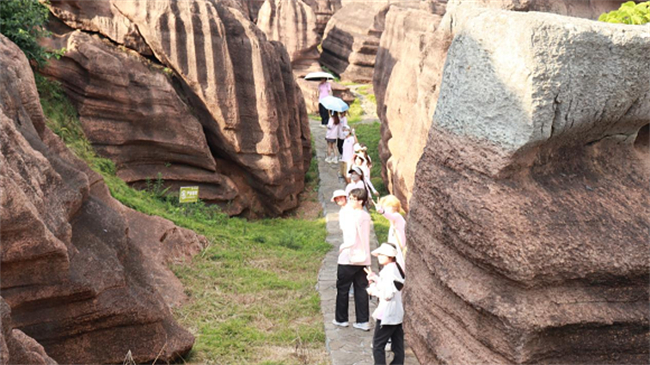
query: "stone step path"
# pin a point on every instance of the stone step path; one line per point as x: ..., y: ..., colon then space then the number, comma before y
x: 346, y: 346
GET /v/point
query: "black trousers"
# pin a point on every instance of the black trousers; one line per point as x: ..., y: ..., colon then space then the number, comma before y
x: 339, y: 145
x: 380, y: 338
x: 347, y: 275
x: 324, y: 114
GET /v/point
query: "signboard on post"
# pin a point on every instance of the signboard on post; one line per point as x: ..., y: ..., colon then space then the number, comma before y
x: 189, y: 194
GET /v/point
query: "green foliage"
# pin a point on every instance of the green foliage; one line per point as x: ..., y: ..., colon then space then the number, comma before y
x: 629, y: 13
x: 355, y: 112
x: 22, y: 22
x: 251, y: 291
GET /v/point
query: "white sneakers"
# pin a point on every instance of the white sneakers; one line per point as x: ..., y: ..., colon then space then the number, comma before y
x: 365, y: 326
x: 331, y: 159
x: 340, y: 324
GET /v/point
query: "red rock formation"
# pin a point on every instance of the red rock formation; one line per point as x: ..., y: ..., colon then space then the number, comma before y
x: 324, y: 10
x: 409, y: 66
x: 80, y: 275
x: 293, y: 23
x: 351, y: 40
x: 529, y: 219
x: 236, y: 83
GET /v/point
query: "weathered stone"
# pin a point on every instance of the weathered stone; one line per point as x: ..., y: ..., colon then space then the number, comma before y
x: 324, y: 10
x: 131, y: 114
x: 293, y: 23
x: 529, y: 219
x: 236, y: 83
x: 409, y: 67
x: 15, y: 346
x: 79, y: 274
x: 351, y: 40
x: 100, y: 17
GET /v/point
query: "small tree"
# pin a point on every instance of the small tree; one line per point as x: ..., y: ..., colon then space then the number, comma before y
x: 629, y: 13
x: 22, y: 22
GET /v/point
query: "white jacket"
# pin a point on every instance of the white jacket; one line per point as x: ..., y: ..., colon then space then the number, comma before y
x: 390, y: 309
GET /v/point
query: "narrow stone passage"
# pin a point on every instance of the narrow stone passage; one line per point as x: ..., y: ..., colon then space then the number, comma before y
x: 346, y: 346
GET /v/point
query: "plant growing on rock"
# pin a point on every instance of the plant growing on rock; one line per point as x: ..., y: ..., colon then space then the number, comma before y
x: 628, y: 13
x: 22, y: 22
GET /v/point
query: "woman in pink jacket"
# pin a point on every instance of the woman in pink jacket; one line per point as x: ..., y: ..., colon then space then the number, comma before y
x: 354, y: 256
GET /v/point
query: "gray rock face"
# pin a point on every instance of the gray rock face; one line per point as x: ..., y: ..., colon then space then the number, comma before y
x: 529, y: 218
x: 408, y: 74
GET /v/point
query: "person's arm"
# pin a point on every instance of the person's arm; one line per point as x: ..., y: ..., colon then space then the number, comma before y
x: 385, y: 288
x: 374, y: 191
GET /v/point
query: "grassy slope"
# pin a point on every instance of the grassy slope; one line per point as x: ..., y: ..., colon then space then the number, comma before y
x: 252, y: 296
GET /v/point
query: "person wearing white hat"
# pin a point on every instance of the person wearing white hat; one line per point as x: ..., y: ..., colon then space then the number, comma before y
x: 387, y: 286
x: 357, y: 182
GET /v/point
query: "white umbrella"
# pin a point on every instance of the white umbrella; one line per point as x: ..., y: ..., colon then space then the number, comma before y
x: 318, y: 76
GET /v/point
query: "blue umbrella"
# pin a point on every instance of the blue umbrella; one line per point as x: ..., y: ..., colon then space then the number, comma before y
x: 334, y: 103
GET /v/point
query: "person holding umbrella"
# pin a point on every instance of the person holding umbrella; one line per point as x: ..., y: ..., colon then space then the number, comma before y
x: 324, y: 90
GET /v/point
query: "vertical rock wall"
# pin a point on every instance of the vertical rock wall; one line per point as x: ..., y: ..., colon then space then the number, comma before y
x: 528, y: 225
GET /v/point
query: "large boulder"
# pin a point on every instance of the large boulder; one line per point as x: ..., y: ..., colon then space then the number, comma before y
x: 237, y: 85
x: 351, y: 40
x: 409, y: 65
x: 134, y: 116
x: 84, y: 276
x: 529, y: 219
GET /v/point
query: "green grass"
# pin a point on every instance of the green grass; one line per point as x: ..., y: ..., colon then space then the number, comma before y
x: 251, y: 291
x: 355, y: 113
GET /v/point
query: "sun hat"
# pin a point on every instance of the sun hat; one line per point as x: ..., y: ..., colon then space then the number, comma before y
x: 385, y: 249
x: 356, y: 169
x: 338, y: 193
x: 345, y: 126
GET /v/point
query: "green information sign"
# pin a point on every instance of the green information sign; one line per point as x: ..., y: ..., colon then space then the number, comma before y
x: 189, y: 194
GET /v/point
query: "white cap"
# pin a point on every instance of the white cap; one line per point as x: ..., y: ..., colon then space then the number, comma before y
x: 385, y: 249
x: 338, y: 193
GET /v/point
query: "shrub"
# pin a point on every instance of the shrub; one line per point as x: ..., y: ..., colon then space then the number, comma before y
x: 628, y: 13
x: 22, y: 22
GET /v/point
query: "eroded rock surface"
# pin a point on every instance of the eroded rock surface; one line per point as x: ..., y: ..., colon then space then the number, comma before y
x: 81, y: 277
x: 351, y: 40
x: 409, y: 65
x: 529, y: 219
x: 238, y: 86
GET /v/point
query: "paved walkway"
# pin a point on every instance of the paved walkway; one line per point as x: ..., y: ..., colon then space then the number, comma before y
x: 347, y: 346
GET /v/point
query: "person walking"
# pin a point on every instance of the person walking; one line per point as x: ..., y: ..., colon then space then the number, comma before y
x: 324, y: 89
x: 348, y: 152
x: 331, y: 135
x: 354, y: 256
x: 341, y: 137
x: 389, y: 314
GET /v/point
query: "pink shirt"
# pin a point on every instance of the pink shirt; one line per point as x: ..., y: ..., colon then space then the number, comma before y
x: 332, y: 129
x: 344, y: 121
x: 324, y: 89
x: 356, y: 235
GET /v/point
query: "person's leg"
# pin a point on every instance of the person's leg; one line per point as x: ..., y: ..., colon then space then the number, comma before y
x: 344, y: 276
x: 397, y: 345
x: 381, y: 336
x: 324, y: 114
x: 330, y: 150
x: 361, y: 303
x: 339, y: 145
